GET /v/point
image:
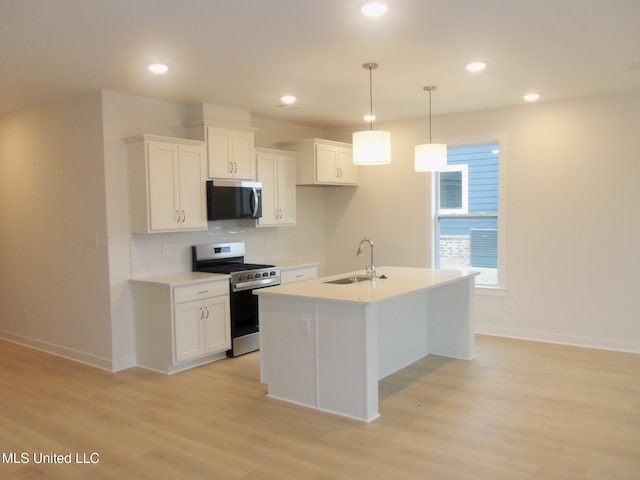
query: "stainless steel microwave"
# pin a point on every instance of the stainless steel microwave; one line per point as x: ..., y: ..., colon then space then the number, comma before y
x: 227, y: 199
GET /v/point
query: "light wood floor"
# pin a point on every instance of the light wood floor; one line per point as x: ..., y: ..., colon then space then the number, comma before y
x: 520, y: 410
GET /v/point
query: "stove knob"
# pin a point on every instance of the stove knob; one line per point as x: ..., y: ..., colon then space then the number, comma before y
x: 273, y: 274
x: 249, y: 276
x: 265, y: 274
x: 240, y: 277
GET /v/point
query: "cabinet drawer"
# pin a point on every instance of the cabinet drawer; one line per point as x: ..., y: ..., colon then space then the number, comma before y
x: 298, y: 274
x: 200, y: 291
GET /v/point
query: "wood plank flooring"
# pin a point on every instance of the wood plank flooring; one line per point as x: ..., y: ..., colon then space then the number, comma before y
x: 519, y: 411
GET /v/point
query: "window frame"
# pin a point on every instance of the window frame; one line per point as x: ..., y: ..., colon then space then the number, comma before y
x: 501, y: 139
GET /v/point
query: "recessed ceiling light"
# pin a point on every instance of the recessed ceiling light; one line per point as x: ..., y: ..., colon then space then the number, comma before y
x: 158, y: 68
x: 374, y: 9
x: 475, y: 67
x: 531, y: 97
x: 288, y: 99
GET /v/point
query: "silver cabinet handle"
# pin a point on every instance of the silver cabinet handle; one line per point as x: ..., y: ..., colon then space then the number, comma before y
x: 207, y: 309
x: 177, y: 216
x: 201, y: 313
x: 184, y: 216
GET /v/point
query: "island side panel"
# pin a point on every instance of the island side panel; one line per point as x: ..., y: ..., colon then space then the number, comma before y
x: 451, y: 319
x: 347, y: 360
x: 288, y: 349
x: 402, y: 332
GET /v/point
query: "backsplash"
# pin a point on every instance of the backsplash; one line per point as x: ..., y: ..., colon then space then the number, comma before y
x: 159, y: 254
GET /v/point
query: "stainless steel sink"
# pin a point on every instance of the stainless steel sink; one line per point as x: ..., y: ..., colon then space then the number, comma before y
x: 348, y: 280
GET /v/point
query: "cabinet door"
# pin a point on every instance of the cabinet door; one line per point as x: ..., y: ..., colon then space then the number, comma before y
x: 192, y: 176
x: 287, y: 174
x: 267, y: 168
x: 217, y: 325
x: 348, y: 171
x: 220, y: 146
x: 243, y: 157
x: 326, y: 163
x: 188, y: 330
x: 163, y: 203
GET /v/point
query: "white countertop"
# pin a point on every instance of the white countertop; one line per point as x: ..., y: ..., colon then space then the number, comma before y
x: 184, y: 278
x: 291, y: 264
x: 399, y: 281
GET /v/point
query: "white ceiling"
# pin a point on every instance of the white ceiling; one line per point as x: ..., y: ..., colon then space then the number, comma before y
x: 248, y: 53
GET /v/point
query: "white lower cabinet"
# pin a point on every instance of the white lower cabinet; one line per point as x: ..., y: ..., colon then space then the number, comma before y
x: 298, y: 273
x: 181, y: 321
x: 201, y: 327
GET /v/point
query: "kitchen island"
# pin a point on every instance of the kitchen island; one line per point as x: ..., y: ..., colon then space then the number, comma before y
x: 326, y: 345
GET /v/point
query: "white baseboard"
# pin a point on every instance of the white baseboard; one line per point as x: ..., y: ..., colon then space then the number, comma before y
x: 58, y: 350
x: 548, y: 337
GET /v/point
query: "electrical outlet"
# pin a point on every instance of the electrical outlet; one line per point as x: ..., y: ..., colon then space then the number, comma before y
x: 26, y: 313
x: 165, y: 250
x: 508, y: 307
x: 92, y: 239
x: 306, y: 326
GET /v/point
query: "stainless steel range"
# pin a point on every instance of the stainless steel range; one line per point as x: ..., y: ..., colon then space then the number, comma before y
x: 228, y: 258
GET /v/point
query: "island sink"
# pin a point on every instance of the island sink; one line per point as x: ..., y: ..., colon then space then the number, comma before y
x: 349, y: 280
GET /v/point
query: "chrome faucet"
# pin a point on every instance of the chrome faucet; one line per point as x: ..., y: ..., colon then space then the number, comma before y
x: 370, y: 271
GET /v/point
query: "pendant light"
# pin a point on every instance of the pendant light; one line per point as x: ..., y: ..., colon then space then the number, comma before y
x: 430, y: 157
x: 371, y: 147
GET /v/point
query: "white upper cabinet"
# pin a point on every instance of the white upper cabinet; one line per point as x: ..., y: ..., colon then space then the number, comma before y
x: 230, y: 148
x: 277, y: 173
x: 167, y: 184
x: 324, y: 162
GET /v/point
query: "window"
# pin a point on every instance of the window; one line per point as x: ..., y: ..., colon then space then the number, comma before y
x: 467, y: 214
x: 454, y: 189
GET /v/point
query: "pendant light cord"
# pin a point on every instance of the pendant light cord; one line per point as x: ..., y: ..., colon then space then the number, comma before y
x: 429, y: 116
x: 371, y: 96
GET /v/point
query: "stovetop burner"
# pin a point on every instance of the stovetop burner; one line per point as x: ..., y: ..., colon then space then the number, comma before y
x: 234, y: 267
x: 228, y: 258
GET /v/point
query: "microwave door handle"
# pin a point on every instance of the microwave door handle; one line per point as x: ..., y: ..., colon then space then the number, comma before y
x: 254, y: 197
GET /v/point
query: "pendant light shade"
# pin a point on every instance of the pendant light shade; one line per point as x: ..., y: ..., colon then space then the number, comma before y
x: 430, y: 157
x: 371, y: 147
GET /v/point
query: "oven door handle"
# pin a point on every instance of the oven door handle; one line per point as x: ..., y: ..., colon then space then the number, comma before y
x: 254, y: 284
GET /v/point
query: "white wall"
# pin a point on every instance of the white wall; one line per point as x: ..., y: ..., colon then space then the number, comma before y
x: 55, y: 293
x: 573, y: 217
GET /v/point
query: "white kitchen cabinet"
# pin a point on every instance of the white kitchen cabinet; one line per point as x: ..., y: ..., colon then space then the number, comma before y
x: 166, y: 184
x: 324, y: 162
x: 230, y: 148
x: 277, y: 173
x: 201, y: 327
x: 182, y: 320
x: 298, y: 273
